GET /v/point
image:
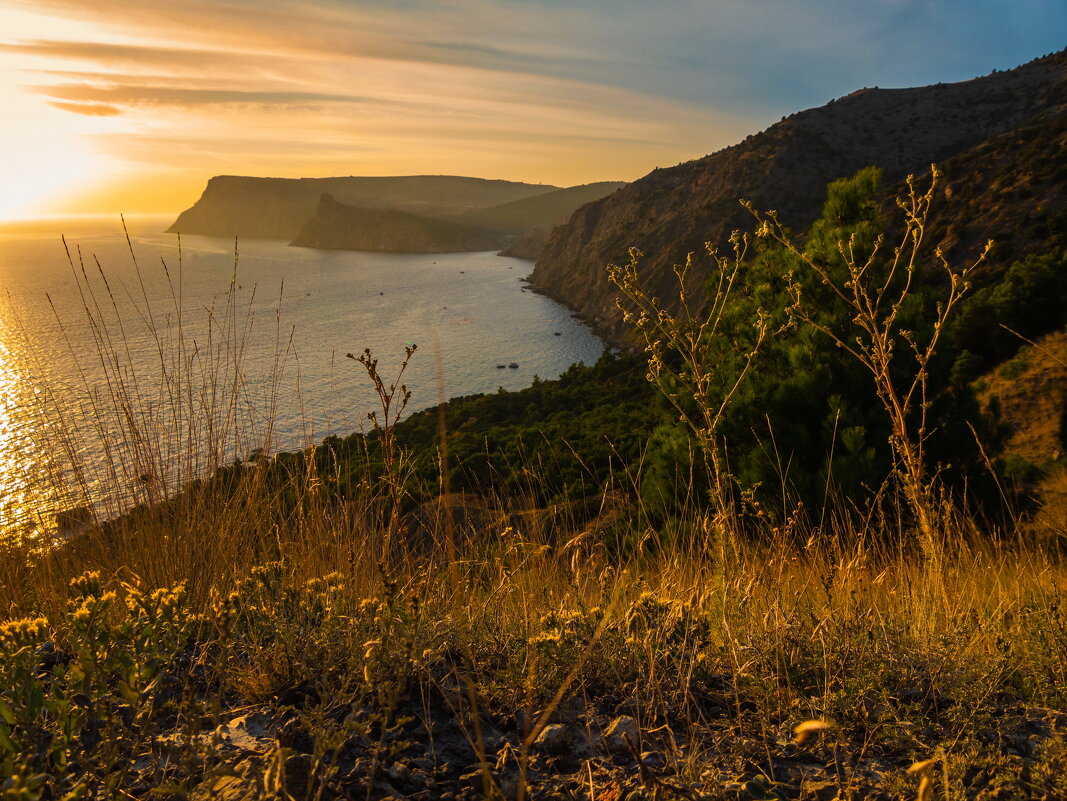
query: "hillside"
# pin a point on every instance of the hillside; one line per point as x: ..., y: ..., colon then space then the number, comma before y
x: 338, y: 226
x: 538, y: 211
x: 278, y: 207
x: 984, y: 132
x: 530, y: 245
x: 1011, y: 188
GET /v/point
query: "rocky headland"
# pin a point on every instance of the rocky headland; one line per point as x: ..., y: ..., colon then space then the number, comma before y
x: 421, y: 213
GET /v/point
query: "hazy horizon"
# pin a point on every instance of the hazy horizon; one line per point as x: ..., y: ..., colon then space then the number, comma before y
x: 110, y: 108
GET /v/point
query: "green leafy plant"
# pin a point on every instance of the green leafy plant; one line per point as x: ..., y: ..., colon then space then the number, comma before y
x: 75, y: 701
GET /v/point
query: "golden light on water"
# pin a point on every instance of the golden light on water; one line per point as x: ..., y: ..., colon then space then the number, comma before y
x: 20, y: 470
x: 40, y: 440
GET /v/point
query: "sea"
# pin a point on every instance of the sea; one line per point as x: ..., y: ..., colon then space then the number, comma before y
x: 123, y: 348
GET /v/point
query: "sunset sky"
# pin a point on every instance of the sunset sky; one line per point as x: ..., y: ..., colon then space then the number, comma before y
x: 132, y: 106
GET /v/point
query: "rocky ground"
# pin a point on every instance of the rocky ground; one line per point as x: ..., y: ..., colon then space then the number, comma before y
x: 435, y: 747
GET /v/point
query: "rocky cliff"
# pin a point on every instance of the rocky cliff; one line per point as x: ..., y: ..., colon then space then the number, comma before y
x: 671, y: 212
x: 529, y: 245
x: 338, y: 226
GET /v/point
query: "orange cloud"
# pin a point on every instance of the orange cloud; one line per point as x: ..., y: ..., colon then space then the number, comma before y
x: 296, y: 88
x: 88, y: 109
x: 191, y: 96
x: 174, y: 61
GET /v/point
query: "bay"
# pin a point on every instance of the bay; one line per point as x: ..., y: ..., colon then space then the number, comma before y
x: 96, y: 342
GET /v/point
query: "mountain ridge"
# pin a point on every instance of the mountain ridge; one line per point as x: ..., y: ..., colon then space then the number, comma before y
x: 542, y: 211
x: 491, y: 214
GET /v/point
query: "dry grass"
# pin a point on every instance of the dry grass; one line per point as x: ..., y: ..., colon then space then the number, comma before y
x: 365, y: 660
x: 717, y: 654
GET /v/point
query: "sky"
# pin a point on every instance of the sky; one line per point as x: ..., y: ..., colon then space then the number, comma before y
x: 110, y: 106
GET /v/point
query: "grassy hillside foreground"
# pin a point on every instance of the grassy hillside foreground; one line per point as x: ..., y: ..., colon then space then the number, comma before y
x: 639, y: 612
x: 780, y: 667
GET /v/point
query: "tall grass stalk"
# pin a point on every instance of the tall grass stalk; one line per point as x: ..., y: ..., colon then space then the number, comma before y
x: 159, y: 453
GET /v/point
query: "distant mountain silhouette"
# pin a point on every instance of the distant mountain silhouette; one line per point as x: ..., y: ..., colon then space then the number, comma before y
x: 526, y: 223
x: 1000, y: 140
x: 538, y: 211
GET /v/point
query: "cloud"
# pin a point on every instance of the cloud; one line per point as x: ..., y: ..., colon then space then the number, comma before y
x: 87, y: 109
x: 151, y: 59
x: 766, y: 58
x: 133, y: 95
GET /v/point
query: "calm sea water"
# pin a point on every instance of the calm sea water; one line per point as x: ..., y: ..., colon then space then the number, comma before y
x: 288, y: 322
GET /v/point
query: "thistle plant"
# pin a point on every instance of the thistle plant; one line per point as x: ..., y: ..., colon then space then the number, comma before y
x: 392, y: 401
x: 682, y: 358
x: 872, y: 287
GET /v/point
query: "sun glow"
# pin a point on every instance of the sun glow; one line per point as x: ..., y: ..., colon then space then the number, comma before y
x: 44, y: 152
x: 37, y: 171
x: 102, y: 113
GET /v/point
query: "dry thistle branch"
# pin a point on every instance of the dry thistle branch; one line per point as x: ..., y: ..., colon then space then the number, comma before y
x: 392, y: 401
x: 698, y: 389
x: 872, y: 288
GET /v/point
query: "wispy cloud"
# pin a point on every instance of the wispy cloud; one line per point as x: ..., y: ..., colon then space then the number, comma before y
x: 162, y: 95
x: 750, y: 54
x: 87, y: 109
x: 173, y: 62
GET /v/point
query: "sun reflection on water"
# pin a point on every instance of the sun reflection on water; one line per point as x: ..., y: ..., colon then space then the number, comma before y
x: 23, y: 508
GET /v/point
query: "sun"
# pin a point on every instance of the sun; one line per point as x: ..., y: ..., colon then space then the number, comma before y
x: 34, y: 173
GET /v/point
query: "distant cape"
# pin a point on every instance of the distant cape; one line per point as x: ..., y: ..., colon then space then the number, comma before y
x: 417, y: 213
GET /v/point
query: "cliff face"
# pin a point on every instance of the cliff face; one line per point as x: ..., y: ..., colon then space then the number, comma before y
x: 1011, y: 188
x: 337, y: 226
x: 278, y: 207
x: 672, y: 212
